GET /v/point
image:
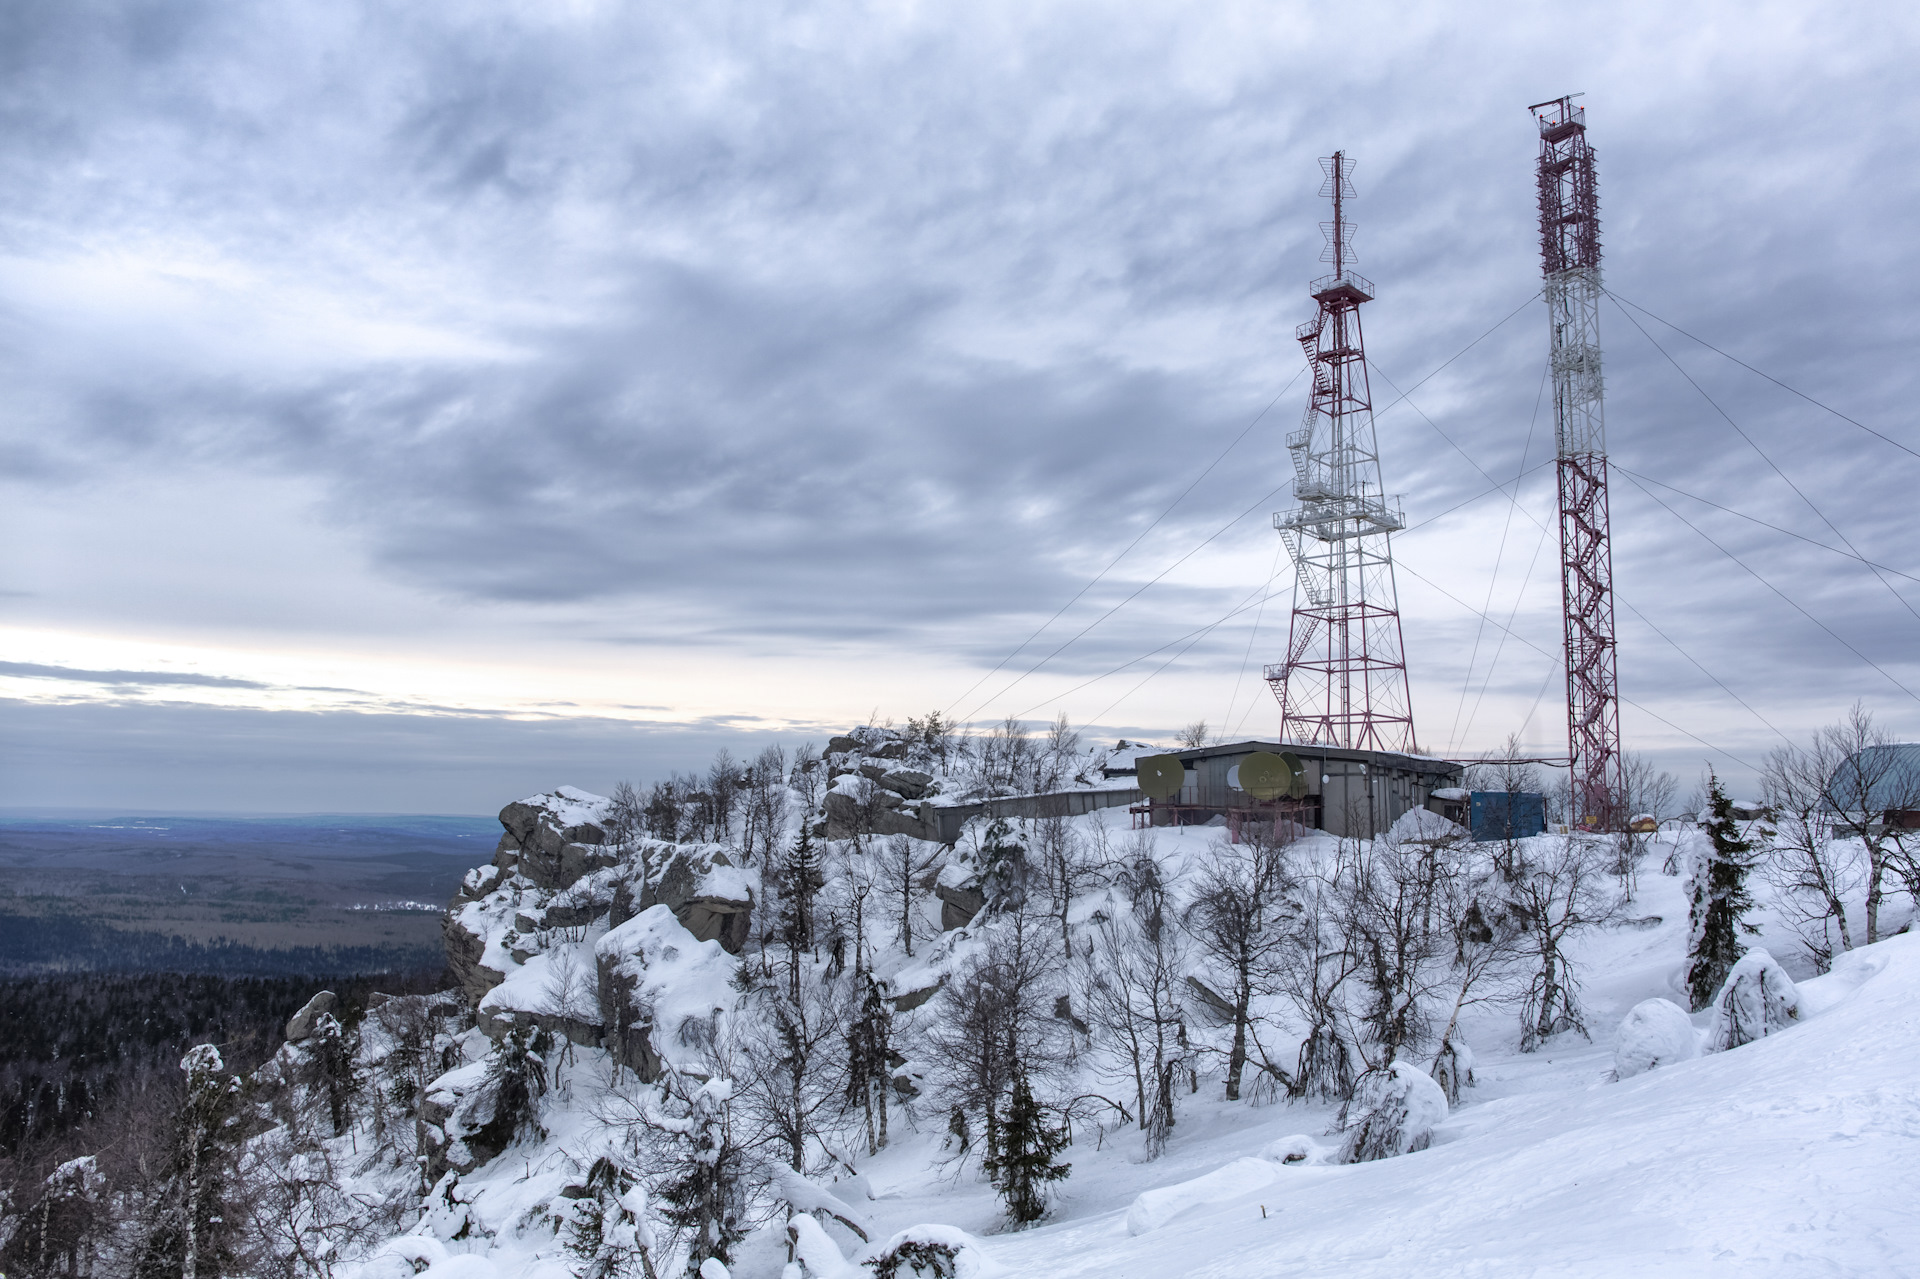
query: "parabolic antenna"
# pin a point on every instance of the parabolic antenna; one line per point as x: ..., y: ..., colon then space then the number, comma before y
x: 1298, y: 788
x: 1161, y: 776
x: 1265, y: 775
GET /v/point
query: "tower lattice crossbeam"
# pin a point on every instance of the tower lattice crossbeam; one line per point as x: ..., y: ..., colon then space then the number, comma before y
x: 1344, y: 680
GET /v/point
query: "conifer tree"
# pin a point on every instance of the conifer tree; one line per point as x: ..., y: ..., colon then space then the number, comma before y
x: 800, y: 880
x: 868, y: 1066
x: 1720, y: 900
x: 1023, y: 1165
x: 191, y: 1235
x: 1003, y: 867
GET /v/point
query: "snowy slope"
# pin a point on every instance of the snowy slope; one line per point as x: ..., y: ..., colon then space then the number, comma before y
x: 1790, y: 1156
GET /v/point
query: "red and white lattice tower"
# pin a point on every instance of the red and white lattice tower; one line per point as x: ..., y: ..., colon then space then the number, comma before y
x: 1344, y: 682
x: 1570, y: 252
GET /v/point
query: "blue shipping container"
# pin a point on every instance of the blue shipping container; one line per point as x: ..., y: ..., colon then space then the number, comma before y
x: 1501, y: 815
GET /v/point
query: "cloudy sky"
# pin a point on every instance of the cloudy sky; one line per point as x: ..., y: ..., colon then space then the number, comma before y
x: 411, y: 407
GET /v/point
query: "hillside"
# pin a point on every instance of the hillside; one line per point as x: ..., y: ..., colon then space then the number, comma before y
x: 738, y: 1044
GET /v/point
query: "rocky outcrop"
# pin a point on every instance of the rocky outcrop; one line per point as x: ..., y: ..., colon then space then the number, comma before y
x: 961, y: 896
x: 300, y: 1025
x: 466, y: 951
x: 558, y: 837
x: 662, y: 992
x: 710, y: 897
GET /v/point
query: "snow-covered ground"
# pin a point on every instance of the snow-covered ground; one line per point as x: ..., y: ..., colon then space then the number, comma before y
x: 1792, y: 1155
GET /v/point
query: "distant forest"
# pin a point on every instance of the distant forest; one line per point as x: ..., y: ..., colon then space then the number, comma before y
x: 89, y: 1061
x: 50, y: 944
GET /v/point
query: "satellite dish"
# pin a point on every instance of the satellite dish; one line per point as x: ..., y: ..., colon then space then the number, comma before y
x: 1298, y: 788
x: 1265, y: 775
x: 1161, y: 776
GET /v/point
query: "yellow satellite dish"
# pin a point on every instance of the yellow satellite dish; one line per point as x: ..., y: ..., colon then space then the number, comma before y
x: 1265, y: 775
x: 1161, y: 776
x: 1297, y: 789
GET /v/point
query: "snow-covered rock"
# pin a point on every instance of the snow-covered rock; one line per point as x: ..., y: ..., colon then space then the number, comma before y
x: 1757, y: 1000
x: 301, y: 1024
x: 1423, y: 826
x: 1155, y: 1208
x: 662, y: 991
x: 1393, y: 1113
x: 1657, y: 1032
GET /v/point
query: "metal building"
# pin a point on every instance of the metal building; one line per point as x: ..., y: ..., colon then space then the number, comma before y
x: 1348, y: 792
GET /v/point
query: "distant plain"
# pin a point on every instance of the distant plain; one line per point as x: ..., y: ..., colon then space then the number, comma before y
x: 305, y: 894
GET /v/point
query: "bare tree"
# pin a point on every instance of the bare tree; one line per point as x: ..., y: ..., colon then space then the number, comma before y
x: 1391, y: 926
x: 1313, y: 976
x: 992, y: 1016
x: 1869, y: 793
x: 1242, y: 919
x: 1194, y: 735
x: 807, y: 776
x: 789, y: 1077
x: 1646, y: 792
x: 764, y: 814
x: 1068, y: 864
x: 904, y: 867
x: 1813, y: 873
x: 1557, y: 889
x: 1132, y: 982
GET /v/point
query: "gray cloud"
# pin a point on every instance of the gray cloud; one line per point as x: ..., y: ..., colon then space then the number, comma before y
x: 753, y: 327
x: 32, y: 670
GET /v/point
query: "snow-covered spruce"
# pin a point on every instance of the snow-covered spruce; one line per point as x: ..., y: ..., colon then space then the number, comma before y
x: 1757, y: 1000
x: 1657, y: 1032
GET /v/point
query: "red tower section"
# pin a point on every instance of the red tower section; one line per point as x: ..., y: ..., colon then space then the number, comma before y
x: 1570, y: 256
x: 1344, y: 682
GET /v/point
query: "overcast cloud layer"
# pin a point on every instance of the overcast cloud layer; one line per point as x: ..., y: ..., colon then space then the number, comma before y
x: 687, y: 371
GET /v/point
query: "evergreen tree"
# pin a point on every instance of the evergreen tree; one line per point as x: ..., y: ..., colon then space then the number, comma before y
x: 800, y: 879
x: 1024, y: 1163
x: 190, y: 1234
x: 517, y: 1076
x: 1720, y: 900
x: 868, y: 1064
x: 702, y: 1187
x: 1003, y: 867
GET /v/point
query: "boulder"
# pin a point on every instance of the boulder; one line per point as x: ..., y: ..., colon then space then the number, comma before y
x: 556, y: 835
x: 301, y: 1024
x: 961, y: 897
x: 909, y: 782
x: 661, y: 991
x: 710, y: 897
x: 465, y: 949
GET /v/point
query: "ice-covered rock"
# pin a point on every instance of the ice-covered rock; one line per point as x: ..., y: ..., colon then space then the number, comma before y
x: 1757, y: 1000
x: 1657, y: 1032
x: 1393, y: 1112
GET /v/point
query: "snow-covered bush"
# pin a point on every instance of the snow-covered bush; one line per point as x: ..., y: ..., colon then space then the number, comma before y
x: 1393, y: 1113
x: 1757, y: 1000
x: 1657, y: 1032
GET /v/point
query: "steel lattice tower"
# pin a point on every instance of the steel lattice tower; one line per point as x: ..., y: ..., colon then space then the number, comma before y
x: 1344, y: 682
x: 1570, y: 253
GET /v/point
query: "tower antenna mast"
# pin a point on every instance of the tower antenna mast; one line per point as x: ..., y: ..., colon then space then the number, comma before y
x: 1344, y: 680
x: 1570, y: 258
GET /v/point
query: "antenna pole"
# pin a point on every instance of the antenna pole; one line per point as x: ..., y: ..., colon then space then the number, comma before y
x: 1344, y: 680
x: 1570, y: 258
